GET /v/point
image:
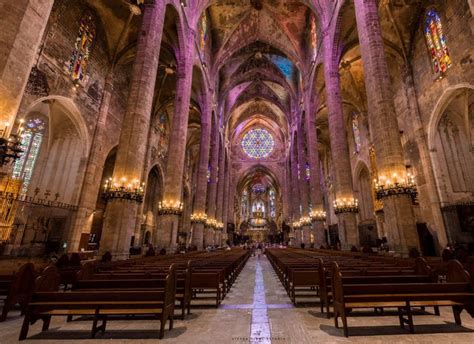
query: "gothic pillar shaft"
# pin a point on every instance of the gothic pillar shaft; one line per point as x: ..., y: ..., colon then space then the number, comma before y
x: 315, y: 178
x: 295, y: 191
x: 227, y: 196
x: 212, y: 185
x: 304, y: 195
x: 201, y: 186
x: 22, y: 27
x: 173, y: 186
x: 339, y: 145
x: 221, y: 183
x: 398, y: 211
x: 92, y: 178
x: 120, y: 216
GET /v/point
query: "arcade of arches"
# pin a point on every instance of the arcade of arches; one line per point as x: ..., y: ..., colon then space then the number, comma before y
x: 342, y: 124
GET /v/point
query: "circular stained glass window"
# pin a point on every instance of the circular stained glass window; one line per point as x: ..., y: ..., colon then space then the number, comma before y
x: 258, y: 143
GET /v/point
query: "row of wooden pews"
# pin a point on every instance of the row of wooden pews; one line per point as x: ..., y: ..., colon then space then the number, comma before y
x: 136, y: 288
x: 353, y: 281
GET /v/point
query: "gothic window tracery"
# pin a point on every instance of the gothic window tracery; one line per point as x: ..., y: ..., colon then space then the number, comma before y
x: 356, y: 131
x: 79, y: 61
x: 436, y: 41
x: 203, y: 36
x: 258, y: 143
x: 456, y: 154
x: 31, y: 141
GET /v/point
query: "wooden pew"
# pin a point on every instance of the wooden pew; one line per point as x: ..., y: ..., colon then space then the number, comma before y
x: 16, y: 288
x: 132, y: 281
x: 103, y: 304
x: 457, y: 293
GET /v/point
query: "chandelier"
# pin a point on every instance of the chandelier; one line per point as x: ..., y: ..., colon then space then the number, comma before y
x: 170, y: 207
x: 258, y: 222
x: 305, y: 221
x: 346, y: 205
x: 123, y: 190
x: 211, y: 223
x: 219, y: 226
x: 318, y: 215
x: 198, y: 218
x: 297, y: 224
x: 10, y: 146
x: 386, y: 187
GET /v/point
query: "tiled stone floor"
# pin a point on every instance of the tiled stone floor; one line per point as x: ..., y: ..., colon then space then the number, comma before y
x: 257, y: 310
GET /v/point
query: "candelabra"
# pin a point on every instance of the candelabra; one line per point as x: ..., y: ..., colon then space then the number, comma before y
x: 305, y: 221
x: 258, y: 222
x: 297, y: 224
x: 168, y: 207
x: 318, y: 215
x: 346, y: 205
x: 10, y: 146
x: 385, y: 187
x: 198, y: 218
x: 211, y: 223
x: 124, y: 190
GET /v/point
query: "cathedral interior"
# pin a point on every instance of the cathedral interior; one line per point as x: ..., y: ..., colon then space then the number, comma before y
x: 319, y: 131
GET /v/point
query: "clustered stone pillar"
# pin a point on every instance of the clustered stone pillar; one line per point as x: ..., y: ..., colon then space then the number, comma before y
x: 22, y: 27
x: 295, y: 192
x: 91, y: 185
x: 199, y: 206
x: 304, y: 196
x: 227, y: 197
x: 339, y: 146
x: 220, y: 192
x: 398, y: 211
x: 212, y: 185
x: 314, y: 181
x: 173, y: 186
x: 121, y: 215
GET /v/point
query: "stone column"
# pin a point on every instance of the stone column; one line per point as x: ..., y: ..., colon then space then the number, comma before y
x: 227, y: 197
x: 398, y: 211
x: 315, y: 178
x: 339, y: 145
x: 173, y: 186
x: 201, y: 183
x: 304, y: 196
x: 295, y: 194
x: 21, y: 29
x: 92, y: 178
x: 212, y: 185
x: 220, y: 190
x: 231, y: 205
x: 121, y: 215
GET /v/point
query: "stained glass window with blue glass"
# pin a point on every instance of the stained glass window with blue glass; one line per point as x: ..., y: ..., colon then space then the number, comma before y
x: 31, y: 141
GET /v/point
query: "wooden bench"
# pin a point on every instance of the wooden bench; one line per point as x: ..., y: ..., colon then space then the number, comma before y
x: 457, y: 293
x: 420, y: 273
x: 132, y: 281
x: 100, y: 305
x: 16, y: 288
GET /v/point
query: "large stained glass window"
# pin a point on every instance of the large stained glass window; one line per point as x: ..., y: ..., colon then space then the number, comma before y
x: 313, y: 36
x: 203, y: 36
x: 272, y: 198
x: 356, y: 131
x: 437, y: 46
x: 31, y: 141
x: 78, y: 63
x: 258, y: 143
